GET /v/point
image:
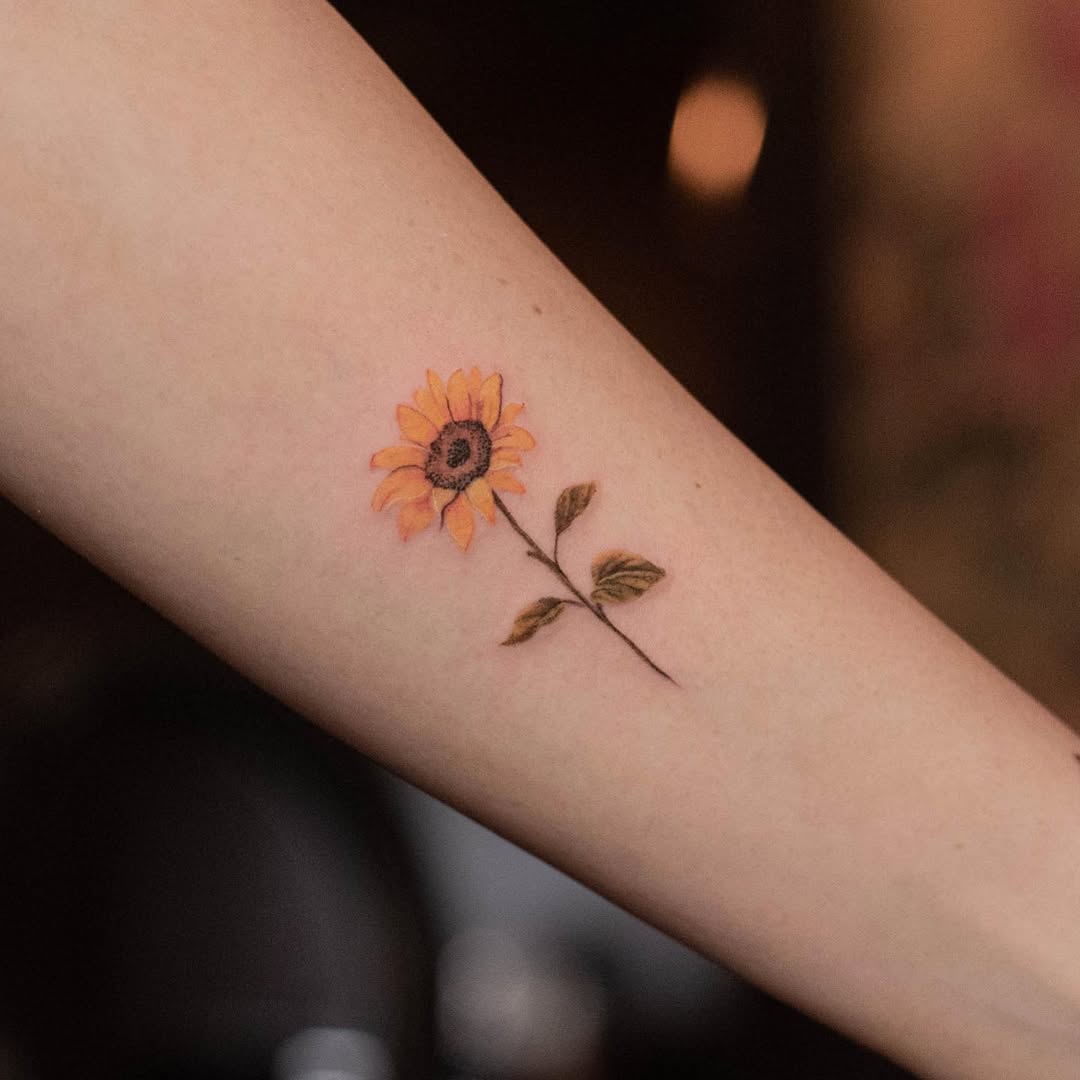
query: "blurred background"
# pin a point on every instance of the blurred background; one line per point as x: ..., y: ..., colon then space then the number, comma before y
x: 852, y: 229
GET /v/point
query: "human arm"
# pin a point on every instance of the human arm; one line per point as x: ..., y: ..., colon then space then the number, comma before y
x: 232, y: 245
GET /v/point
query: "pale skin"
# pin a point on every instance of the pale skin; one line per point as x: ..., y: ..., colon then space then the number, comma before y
x: 232, y: 243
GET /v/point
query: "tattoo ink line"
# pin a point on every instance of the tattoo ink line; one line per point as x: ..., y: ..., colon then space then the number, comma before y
x: 552, y: 563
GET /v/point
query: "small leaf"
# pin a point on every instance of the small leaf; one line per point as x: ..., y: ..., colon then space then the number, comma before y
x: 545, y: 610
x: 620, y: 576
x: 571, y: 503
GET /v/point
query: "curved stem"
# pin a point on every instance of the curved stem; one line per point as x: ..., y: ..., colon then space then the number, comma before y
x: 552, y: 564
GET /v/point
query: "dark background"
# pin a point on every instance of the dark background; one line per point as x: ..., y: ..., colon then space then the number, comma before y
x: 190, y: 874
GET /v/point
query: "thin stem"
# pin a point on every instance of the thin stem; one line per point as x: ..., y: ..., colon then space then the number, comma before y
x: 552, y: 564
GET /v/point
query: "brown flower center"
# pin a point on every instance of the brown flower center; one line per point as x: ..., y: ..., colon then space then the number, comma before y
x: 460, y: 453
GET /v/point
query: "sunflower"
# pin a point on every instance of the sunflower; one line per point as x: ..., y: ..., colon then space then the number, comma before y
x: 461, y: 445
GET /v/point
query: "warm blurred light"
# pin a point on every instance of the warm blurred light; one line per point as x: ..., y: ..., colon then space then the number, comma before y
x: 716, y: 137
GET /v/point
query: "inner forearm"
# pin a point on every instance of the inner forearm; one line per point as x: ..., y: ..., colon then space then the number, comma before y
x: 234, y: 246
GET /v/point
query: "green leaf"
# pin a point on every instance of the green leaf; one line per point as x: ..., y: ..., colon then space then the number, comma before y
x: 620, y: 576
x: 545, y: 610
x: 571, y: 503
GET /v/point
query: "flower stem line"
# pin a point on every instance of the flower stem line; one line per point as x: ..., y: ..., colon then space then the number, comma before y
x: 536, y: 552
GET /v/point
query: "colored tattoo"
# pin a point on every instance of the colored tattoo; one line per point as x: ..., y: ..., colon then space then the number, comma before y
x: 460, y: 448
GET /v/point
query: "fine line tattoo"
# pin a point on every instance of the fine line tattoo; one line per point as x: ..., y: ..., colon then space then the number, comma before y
x: 460, y: 448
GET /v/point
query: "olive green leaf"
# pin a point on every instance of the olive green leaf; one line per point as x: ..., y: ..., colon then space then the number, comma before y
x: 620, y: 576
x: 543, y: 611
x: 571, y: 503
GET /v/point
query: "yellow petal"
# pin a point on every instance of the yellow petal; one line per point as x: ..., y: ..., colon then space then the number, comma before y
x: 458, y: 518
x: 438, y: 391
x: 402, y: 484
x: 415, y: 426
x: 505, y: 480
x: 508, y: 415
x: 490, y: 401
x: 457, y: 394
x: 479, y: 492
x: 514, y: 438
x: 502, y: 459
x: 475, y: 381
x: 429, y: 405
x: 393, y: 457
x: 440, y: 497
x: 415, y: 517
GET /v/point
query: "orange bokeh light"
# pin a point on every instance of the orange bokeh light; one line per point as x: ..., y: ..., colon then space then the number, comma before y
x: 716, y: 137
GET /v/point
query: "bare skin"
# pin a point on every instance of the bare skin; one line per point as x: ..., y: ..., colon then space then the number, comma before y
x: 232, y: 245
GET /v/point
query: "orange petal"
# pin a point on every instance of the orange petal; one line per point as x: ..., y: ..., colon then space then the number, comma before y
x: 479, y: 492
x: 429, y: 405
x: 458, y: 518
x: 514, y: 438
x: 502, y: 459
x: 475, y: 381
x: 508, y: 415
x: 435, y: 386
x: 490, y: 401
x: 505, y: 480
x: 438, y: 391
x: 393, y: 457
x: 415, y: 426
x: 402, y: 484
x: 415, y: 517
x: 457, y: 394
x: 440, y: 497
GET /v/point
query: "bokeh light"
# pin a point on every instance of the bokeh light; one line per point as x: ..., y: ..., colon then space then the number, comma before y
x: 716, y: 137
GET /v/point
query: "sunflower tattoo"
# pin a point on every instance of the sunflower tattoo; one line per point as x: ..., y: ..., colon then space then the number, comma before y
x: 461, y: 447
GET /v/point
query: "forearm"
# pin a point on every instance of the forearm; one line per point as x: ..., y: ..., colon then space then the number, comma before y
x: 233, y: 245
